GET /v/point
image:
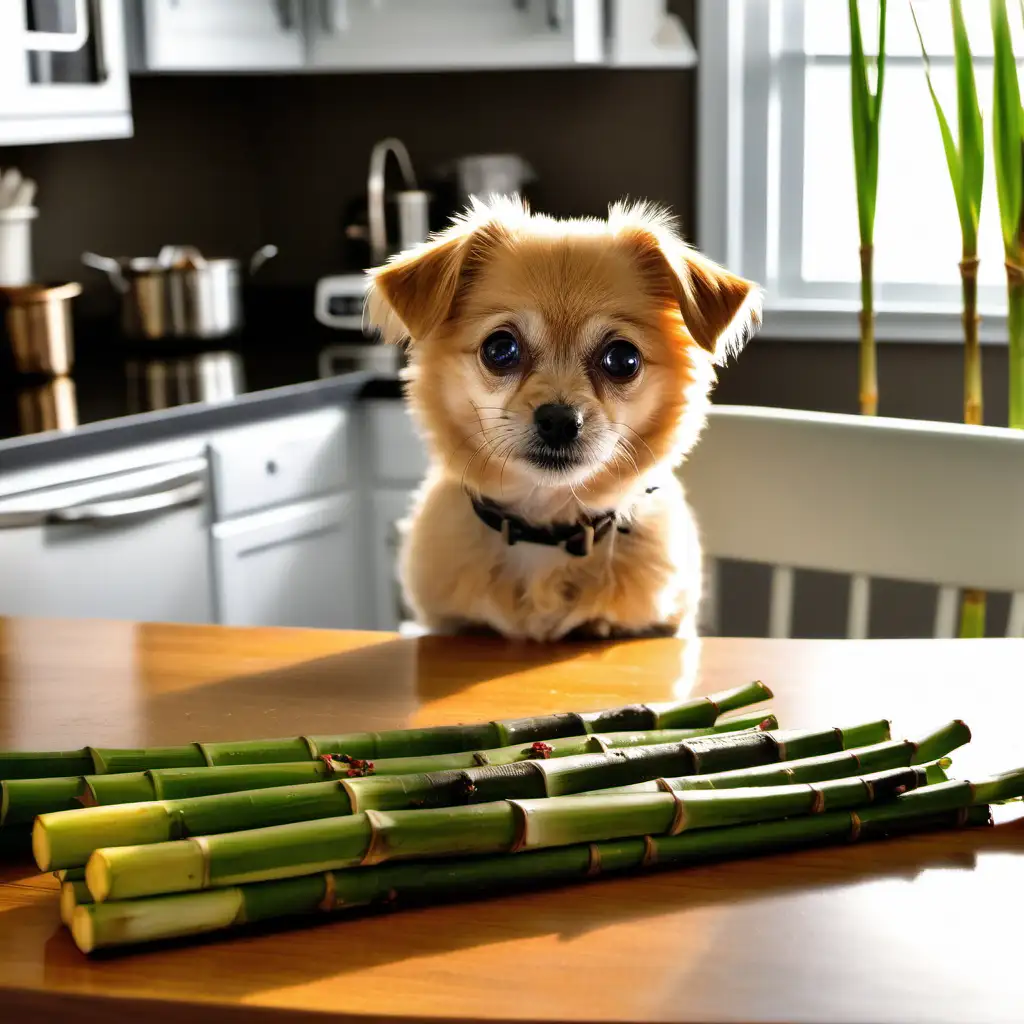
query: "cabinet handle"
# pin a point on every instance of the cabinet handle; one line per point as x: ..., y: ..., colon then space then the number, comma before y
x: 181, y: 484
x: 122, y: 508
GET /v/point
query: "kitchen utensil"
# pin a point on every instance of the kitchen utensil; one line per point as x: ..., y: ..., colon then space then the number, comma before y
x: 486, y: 174
x: 413, y: 204
x: 179, y: 293
x: 38, y: 321
x: 10, y: 183
x: 16, y: 245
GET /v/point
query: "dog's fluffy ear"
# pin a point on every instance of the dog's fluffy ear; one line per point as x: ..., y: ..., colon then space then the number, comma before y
x: 719, y: 310
x: 412, y: 294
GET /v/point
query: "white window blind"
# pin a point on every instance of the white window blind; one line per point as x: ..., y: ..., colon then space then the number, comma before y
x: 778, y: 197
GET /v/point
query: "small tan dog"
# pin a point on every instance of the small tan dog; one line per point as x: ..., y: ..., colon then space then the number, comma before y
x: 560, y: 371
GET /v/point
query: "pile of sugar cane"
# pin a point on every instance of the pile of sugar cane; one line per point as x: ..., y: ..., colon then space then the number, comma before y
x: 181, y: 841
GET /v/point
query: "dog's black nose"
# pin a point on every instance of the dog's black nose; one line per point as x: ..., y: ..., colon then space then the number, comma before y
x: 557, y: 425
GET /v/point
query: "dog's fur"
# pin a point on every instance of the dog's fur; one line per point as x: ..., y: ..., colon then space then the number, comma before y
x: 563, y: 288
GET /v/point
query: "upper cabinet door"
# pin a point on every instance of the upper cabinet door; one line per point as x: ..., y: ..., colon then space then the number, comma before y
x: 63, y: 71
x: 454, y: 35
x: 221, y: 35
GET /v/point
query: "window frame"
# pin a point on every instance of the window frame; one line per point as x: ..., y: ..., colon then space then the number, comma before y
x: 748, y: 77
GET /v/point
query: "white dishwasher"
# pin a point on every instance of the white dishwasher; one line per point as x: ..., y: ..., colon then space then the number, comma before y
x: 131, y: 544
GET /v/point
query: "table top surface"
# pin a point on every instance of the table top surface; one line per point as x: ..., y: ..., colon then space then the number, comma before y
x: 924, y: 928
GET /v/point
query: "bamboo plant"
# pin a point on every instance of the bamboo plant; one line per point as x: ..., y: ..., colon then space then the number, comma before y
x: 965, y: 158
x: 21, y: 800
x: 866, y: 108
x: 97, y: 926
x: 1007, y: 131
x: 65, y: 839
x: 693, y: 713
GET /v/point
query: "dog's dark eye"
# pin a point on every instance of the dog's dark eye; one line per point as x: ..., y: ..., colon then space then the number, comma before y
x: 621, y: 360
x: 501, y: 351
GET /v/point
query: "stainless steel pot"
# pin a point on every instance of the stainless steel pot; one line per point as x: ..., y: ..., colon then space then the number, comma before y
x: 179, y: 293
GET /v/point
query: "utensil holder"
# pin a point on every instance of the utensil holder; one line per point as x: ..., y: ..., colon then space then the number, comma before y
x: 16, y: 246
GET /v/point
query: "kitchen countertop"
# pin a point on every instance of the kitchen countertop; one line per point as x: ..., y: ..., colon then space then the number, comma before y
x: 921, y: 929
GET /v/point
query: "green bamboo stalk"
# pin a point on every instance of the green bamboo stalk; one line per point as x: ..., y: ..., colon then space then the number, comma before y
x: 305, y: 847
x: 866, y: 108
x: 1007, y: 129
x: 134, y: 922
x: 22, y: 800
x: 860, y: 761
x: 696, y: 712
x: 67, y: 838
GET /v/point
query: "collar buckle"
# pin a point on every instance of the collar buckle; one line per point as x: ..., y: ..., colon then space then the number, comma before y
x: 581, y: 543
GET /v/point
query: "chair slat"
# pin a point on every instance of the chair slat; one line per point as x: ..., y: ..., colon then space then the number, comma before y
x: 780, y: 608
x: 947, y: 602
x: 858, y: 613
x: 1015, y: 622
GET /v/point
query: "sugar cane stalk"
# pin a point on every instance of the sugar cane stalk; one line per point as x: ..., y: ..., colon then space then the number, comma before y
x: 67, y: 838
x: 866, y: 107
x: 133, y: 922
x: 1007, y: 129
x: 696, y: 712
x: 965, y: 158
x: 21, y: 800
x: 371, y: 836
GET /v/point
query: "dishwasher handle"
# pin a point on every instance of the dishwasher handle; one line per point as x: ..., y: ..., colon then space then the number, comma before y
x: 178, y: 485
x: 137, y: 505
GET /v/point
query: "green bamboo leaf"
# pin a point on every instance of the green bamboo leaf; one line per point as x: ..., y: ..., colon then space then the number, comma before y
x: 953, y: 157
x: 1006, y: 130
x: 876, y: 112
x: 862, y: 124
x: 972, y: 138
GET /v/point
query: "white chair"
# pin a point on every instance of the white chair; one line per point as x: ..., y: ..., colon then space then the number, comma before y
x: 923, y: 502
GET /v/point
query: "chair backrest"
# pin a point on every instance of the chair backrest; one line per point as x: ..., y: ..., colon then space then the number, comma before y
x: 907, y: 500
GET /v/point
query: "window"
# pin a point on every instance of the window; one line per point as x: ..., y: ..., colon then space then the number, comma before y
x: 777, y: 197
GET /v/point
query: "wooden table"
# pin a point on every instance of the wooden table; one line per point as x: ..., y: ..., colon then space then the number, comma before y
x: 923, y: 929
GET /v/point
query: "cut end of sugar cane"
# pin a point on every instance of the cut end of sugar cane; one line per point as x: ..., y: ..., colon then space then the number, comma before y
x: 65, y: 839
x: 124, y: 872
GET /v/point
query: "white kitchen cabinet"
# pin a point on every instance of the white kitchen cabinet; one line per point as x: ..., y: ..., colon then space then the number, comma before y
x: 129, y: 542
x: 289, y: 566
x: 453, y: 35
x: 218, y: 35
x: 645, y: 34
x: 388, y: 508
x: 63, y: 71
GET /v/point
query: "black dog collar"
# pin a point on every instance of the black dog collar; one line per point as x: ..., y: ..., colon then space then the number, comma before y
x: 577, y: 539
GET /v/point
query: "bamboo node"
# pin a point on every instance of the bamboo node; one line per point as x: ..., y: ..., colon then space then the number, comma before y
x: 480, y: 758
x: 650, y: 857
x: 201, y: 747
x: 599, y: 744
x: 663, y: 785
x: 869, y: 789
x: 962, y: 816
x: 593, y: 860
x: 714, y: 704
x: 969, y: 268
x: 817, y: 799
x: 1014, y: 273
x: 522, y: 825
x: 204, y: 850
x: 330, y: 900
x: 855, y: 826
x: 375, y: 850
x: 679, y: 816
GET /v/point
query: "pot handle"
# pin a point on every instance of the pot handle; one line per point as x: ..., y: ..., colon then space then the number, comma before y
x: 171, y: 256
x: 110, y: 267
x: 260, y: 256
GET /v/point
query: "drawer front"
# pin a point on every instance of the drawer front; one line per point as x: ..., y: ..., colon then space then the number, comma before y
x: 279, y: 461
x: 397, y: 453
